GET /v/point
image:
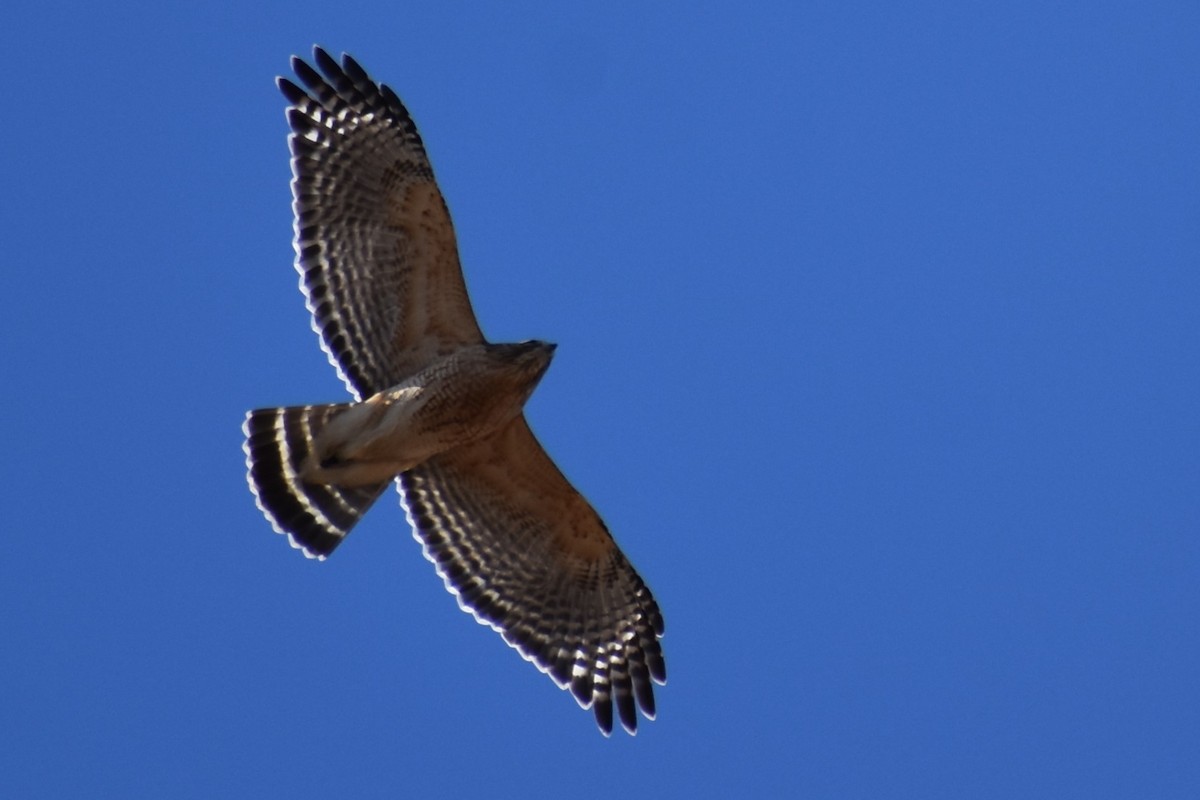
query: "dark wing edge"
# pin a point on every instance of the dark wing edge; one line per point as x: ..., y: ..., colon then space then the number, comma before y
x: 590, y: 623
x: 315, y: 518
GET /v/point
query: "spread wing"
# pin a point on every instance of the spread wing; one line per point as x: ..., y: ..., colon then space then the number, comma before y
x: 375, y: 247
x: 527, y: 555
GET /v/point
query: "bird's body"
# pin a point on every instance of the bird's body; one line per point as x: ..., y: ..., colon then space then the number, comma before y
x: 437, y: 408
x: 456, y: 400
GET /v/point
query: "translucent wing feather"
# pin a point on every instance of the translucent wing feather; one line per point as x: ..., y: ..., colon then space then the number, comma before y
x: 375, y: 246
x: 527, y: 555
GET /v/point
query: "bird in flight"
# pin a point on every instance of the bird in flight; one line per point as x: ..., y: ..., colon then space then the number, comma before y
x: 436, y: 408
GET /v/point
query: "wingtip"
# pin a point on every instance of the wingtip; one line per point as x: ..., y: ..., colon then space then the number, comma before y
x: 293, y: 93
x: 325, y: 62
x: 352, y: 68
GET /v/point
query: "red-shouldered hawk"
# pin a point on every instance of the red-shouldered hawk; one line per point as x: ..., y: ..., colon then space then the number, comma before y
x: 437, y: 408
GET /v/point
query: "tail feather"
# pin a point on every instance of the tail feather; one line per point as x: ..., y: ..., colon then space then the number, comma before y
x: 316, y: 517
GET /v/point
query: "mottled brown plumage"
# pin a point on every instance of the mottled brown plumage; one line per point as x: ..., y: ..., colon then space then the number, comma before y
x: 438, y: 409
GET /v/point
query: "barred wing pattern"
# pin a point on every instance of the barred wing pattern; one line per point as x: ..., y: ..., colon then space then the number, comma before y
x: 513, y: 540
x: 527, y: 555
x: 315, y: 517
x: 375, y: 246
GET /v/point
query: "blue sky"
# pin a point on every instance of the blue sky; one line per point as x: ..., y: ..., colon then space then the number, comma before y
x: 878, y: 352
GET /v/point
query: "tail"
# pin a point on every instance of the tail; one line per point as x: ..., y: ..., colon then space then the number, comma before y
x: 316, y: 517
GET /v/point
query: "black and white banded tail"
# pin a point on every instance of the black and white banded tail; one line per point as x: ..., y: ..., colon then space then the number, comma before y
x: 315, y: 517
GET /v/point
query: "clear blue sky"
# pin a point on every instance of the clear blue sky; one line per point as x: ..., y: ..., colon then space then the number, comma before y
x: 879, y: 352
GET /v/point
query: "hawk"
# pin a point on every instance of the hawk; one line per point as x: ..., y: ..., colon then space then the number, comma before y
x: 437, y: 408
